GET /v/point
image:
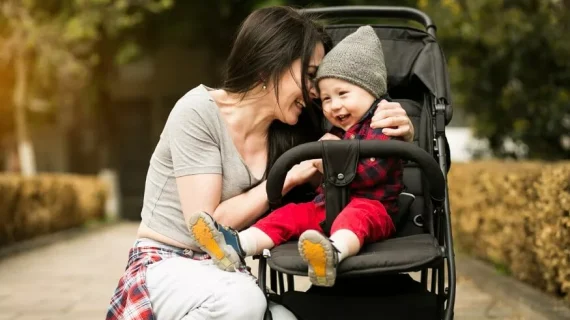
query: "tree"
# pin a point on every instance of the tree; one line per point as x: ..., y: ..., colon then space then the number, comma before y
x: 50, y: 46
x: 509, y: 70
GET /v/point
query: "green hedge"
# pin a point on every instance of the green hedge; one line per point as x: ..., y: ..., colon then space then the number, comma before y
x: 44, y: 204
x: 516, y: 215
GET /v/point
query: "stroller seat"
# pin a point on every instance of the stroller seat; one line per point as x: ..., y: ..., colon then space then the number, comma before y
x: 394, y: 255
x: 407, y: 251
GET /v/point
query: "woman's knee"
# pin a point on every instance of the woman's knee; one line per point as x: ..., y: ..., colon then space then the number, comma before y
x: 242, y: 299
x: 279, y: 312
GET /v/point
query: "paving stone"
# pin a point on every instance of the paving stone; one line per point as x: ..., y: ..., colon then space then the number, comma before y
x: 5, y: 315
x: 75, y: 279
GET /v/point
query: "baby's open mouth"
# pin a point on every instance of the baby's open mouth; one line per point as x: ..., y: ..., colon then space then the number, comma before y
x: 343, y: 117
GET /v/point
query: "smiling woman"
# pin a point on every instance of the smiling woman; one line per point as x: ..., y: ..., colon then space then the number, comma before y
x: 213, y: 155
x: 290, y: 100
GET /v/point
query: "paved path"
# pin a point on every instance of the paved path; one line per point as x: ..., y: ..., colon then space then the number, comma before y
x: 74, y: 279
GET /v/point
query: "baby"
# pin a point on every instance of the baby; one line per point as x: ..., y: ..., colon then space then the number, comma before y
x: 351, y: 81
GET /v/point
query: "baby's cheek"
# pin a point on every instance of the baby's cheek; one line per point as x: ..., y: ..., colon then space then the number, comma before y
x: 328, y: 115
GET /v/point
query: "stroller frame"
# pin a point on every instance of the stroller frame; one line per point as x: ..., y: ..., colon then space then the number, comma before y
x: 435, y: 166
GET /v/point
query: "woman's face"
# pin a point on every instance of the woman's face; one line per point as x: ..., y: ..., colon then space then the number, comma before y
x: 290, y: 100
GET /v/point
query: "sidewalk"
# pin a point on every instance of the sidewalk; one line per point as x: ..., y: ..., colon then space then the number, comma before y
x: 75, y: 278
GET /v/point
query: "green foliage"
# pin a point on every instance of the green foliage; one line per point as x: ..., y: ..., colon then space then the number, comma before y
x: 59, y: 39
x: 509, y: 69
x: 508, y: 63
x: 508, y: 59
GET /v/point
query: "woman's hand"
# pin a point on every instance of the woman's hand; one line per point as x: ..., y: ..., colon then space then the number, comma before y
x: 299, y: 174
x: 306, y: 171
x: 318, y: 163
x: 393, y: 119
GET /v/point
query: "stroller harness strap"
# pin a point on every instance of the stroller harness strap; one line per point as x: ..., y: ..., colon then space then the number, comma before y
x: 340, y: 162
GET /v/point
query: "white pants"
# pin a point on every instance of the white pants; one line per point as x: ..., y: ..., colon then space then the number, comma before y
x: 186, y: 289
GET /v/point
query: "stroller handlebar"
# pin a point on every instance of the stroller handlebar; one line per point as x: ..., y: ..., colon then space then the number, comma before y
x: 373, y: 12
x: 367, y: 148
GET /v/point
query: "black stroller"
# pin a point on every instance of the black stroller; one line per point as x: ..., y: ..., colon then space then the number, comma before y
x: 375, y: 284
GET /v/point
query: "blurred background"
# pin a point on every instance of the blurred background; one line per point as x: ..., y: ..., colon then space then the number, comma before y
x: 86, y: 87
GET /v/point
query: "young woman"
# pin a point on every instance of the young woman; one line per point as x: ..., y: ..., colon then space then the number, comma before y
x: 213, y: 155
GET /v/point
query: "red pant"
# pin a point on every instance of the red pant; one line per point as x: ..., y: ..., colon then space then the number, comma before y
x: 368, y: 219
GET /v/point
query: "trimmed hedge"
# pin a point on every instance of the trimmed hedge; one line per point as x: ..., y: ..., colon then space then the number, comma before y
x: 44, y: 204
x: 516, y: 215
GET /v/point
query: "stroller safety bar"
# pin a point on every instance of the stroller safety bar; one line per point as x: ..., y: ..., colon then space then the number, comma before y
x: 367, y: 148
x: 373, y: 12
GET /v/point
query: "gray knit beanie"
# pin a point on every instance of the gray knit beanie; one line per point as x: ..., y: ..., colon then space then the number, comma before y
x: 358, y: 59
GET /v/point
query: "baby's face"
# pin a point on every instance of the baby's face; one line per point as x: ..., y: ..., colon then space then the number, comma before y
x: 344, y: 104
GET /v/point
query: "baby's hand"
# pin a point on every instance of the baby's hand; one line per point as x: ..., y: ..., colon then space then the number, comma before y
x: 329, y: 136
x: 318, y: 163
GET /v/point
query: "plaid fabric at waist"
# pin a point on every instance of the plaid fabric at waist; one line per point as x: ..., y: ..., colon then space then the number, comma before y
x: 131, y: 299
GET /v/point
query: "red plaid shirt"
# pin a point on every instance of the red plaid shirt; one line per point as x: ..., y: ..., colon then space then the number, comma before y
x: 131, y: 300
x: 376, y: 178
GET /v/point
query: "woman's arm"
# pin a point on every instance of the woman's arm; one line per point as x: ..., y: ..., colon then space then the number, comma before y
x: 199, y: 192
x: 202, y: 192
x: 242, y: 210
x: 197, y: 166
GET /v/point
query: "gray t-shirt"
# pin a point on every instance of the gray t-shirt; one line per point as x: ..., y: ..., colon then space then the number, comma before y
x: 194, y: 140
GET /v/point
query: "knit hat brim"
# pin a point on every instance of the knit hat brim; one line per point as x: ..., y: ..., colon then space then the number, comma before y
x: 374, y: 92
x: 357, y: 59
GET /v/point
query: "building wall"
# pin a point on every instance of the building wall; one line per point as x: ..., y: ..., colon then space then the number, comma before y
x: 141, y: 97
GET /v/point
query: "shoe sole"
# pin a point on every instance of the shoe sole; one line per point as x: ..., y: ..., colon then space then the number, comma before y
x: 204, y: 233
x: 317, y: 251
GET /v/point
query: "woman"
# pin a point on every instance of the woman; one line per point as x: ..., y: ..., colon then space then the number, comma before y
x: 215, y: 150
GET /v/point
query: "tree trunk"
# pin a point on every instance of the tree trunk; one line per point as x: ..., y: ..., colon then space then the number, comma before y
x: 25, y: 146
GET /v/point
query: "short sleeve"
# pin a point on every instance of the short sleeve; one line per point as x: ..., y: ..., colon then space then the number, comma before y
x: 193, y: 143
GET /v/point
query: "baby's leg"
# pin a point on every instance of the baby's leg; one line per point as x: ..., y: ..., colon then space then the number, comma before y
x: 253, y: 241
x: 284, y: 224
x: 225, y: 245
x: 228, y: 248
x: 279, y: 226
x: 346, y: 242
x: 361, y: 221
x: 221, y: 243
x: 321, y: 257
x: 323, y: 254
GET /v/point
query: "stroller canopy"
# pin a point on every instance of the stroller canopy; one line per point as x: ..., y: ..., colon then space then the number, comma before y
x: 410, y: 55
